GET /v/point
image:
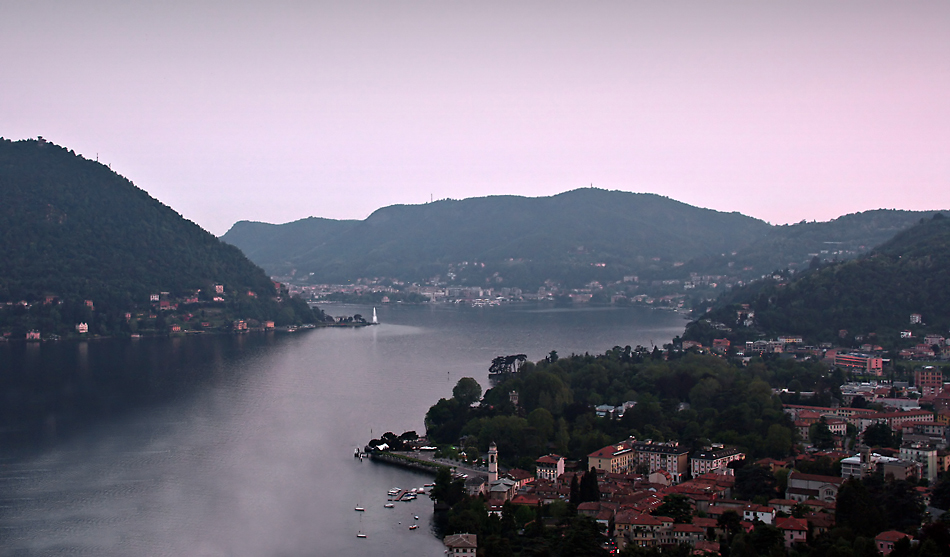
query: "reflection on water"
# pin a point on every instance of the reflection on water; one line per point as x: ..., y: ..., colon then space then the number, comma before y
x: 242, y: 445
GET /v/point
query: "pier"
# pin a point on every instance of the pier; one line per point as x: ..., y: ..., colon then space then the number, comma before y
x: 416, y: 464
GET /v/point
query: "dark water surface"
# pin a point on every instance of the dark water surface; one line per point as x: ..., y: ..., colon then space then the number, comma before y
x: 242, y: 445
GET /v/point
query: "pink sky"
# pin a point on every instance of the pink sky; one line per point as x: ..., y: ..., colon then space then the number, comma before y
x: 281, y: 110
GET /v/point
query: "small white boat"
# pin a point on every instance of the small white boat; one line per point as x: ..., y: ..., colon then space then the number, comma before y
x: 414, y: 526
x: 389, y: 505
x: 416, y: 517
x: 360, y: 535
x: 359, y: 509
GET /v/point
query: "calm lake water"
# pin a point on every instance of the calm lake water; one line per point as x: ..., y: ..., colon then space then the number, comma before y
x: 242, y: 445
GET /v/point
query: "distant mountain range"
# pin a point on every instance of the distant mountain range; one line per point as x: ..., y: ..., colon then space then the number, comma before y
x: 571, y: 238
x: 73, y: 230
x: 871, y: 297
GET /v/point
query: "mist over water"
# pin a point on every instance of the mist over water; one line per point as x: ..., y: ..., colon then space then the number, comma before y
x: 242, y: 445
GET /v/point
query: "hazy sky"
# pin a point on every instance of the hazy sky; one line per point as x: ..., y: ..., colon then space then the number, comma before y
x: 275, y: 111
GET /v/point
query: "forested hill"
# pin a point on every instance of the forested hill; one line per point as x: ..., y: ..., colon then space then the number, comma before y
x: 572, y: 238
x: 75, y: 230
x: 577, y: 236
x: 272, y: 246
x: 794, y: 246
x: 875, y: 293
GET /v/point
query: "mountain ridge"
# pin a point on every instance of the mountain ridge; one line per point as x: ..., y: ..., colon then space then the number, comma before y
x: 648, y: 235
x: 567, y: 228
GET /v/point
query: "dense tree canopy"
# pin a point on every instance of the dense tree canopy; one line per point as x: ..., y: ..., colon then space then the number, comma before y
x: 872, y: 296
x: 693, y: 399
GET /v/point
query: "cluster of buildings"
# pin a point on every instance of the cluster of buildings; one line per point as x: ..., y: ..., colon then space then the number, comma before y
x: 925, y: 438
x: 436, y: 290
x: 635, y: 477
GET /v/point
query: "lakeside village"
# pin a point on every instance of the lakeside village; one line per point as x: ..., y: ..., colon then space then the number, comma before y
x: 668, y: 293
x: 173, y: 315
x: 661, y: 496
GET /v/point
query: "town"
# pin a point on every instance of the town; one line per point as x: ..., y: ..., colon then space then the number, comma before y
x: 652, y: 495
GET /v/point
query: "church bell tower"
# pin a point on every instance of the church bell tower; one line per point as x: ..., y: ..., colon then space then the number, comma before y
x: 492, y: 463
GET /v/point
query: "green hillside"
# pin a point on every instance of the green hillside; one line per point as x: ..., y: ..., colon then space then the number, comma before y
x: 74, y: 230
x: 524, y: 240
x: 795, y: 246
x: 872, y: 296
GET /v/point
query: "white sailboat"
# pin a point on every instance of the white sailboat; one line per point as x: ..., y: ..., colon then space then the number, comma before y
x: 375, y: 320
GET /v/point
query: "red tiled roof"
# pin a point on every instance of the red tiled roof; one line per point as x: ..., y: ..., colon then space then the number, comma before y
x: 792, y: 523
x: 638, y: 519
x: 704, y: 546
x: 891, y: 536
x: 519, y: 474
x: 529, y: 500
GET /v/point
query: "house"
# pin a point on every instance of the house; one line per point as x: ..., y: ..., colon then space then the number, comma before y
x: 762, y: 513
x: 869, y: 363
x: 929, y: 380
x: 641, y: 530
x: 795, y: 530
x: 661, y: 477
x: 896, y: 420
x: 663, y: 456
x: 549, y: 467
x: 616, y: 458
x: 82, y: 328
x: 804, y: 486
x: 712, y: 458
x: 925, y: 454
x: 520, y: 477
x: 461, y: 544
x: 502, y: 489
x: 721, y: 344
x: 885, y: 540
x: 677, y: 534
x: 33, y: 335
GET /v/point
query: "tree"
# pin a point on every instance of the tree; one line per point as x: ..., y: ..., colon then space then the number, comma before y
x: 467, y: 391
x: 730, y: 522
x: 753, y: 482
x: 575, y: 498
x: 940, y: 497
x: 902, y: 505
x: 447, y: 490
x: 820, y: 435
x: 677, y: 507
x: 879, y: 435
x: 856, y: 509
x: 589, y: 488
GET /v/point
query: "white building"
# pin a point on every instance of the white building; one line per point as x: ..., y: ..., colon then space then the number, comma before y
x: 712, y: 458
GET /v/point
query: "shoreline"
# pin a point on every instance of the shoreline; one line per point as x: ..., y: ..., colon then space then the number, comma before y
x: 138, y: 336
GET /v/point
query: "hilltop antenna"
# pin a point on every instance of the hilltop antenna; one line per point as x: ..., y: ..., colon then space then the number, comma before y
x: 430, y: 198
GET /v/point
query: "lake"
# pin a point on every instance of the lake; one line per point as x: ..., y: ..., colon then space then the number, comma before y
x: 242, y: 445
